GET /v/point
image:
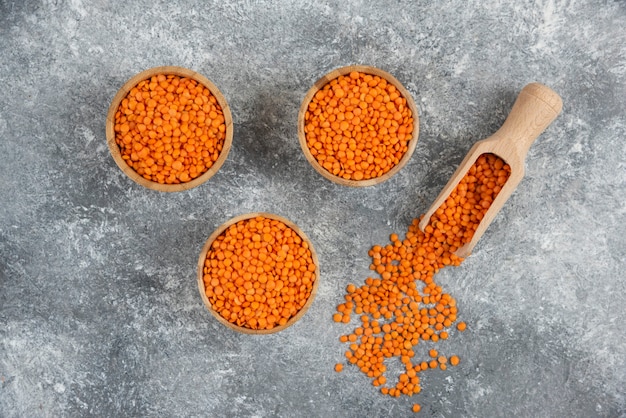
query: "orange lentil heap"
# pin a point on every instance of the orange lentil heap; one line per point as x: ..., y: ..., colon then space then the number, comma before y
x: 170, y: 129
x: 395, y: 313
x: 258, y: 273
x: 358, y: 126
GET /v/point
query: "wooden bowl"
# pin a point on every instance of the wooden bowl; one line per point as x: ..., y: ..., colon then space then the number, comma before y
x: 318, y: 86
x: 115, y: 150
x: 201, y: 266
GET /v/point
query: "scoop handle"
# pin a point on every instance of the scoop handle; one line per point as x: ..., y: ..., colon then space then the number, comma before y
x: 535, y: 108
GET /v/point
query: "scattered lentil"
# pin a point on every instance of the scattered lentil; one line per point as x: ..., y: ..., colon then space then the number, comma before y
x: 395, y: 313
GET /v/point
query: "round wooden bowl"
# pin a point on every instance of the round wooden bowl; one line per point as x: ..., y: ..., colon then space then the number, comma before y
x: 115, y: 150
x: 318, y: 86
x: 207, y: 247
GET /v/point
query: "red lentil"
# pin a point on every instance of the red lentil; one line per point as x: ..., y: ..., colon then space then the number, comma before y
x: 395, y: 313
x: 259, y: 273
x: 170, y: 129
x: 358, y: 126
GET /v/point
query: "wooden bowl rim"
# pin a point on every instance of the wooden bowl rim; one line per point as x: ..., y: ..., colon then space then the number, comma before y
x: 325, y: 80
x: 115, y: 150
x: 217, y: 233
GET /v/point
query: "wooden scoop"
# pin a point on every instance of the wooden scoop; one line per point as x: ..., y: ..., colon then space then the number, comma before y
x: 535, y: 108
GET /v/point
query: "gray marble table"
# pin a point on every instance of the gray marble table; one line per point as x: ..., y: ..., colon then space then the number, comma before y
x: 99, y: 309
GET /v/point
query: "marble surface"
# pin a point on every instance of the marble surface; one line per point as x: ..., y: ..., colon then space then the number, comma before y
x: 99, y: 310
